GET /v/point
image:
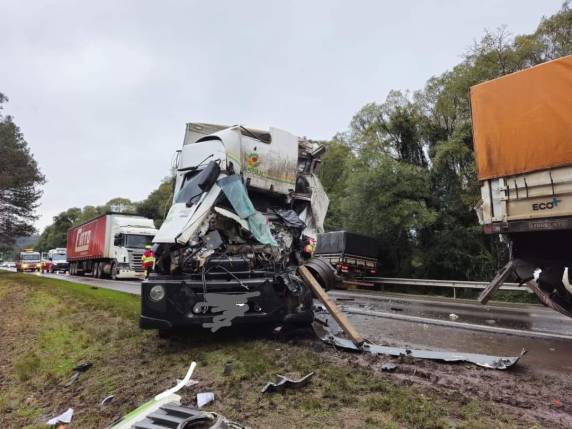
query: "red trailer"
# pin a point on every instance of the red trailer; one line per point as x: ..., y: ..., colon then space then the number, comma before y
x: 110, y: 244
x: 87, y: 241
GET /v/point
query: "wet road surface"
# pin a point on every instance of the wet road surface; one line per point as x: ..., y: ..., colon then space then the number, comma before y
x: 409, y: 321
x: 496, y: 317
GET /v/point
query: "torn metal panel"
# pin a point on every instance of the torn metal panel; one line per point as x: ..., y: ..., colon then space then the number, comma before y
x: 283, y: 382
x: 173, y: 415
x: 485, y: 361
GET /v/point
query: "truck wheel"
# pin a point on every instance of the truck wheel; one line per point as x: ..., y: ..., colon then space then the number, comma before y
x: 113, y: 271
x: 94, y: 269
x: 100, y: 270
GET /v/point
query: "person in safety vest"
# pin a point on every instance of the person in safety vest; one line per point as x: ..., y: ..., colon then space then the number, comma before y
x: 309, y: 248
x: 148, y: 260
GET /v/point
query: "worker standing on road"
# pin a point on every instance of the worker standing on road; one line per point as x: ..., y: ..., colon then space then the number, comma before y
x: 148, y: 260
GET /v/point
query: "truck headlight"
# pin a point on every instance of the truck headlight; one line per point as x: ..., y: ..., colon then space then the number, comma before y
x: 157, y: 293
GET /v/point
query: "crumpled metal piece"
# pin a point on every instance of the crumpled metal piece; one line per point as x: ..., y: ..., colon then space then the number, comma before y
x: 485, y: 361
x: 285, y: 382
x: 292, y: 282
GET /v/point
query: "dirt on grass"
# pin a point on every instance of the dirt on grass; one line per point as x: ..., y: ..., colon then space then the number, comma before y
x: 49, y: 327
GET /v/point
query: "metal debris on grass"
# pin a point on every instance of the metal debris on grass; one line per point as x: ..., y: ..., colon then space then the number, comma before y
x: 106, y: 400
x: 285, y: 382
x: 82, y: 367
x: 389, y: 367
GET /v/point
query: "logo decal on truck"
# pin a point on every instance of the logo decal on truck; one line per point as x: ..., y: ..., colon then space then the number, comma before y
x: 547, y: 205
x: 252, y: 160
x: 82, y: 240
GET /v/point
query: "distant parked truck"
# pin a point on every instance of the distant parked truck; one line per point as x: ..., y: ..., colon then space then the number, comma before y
x: 109, y: 245
x: 350, y: 253
x: 56, y: 261
x: 28, y: 260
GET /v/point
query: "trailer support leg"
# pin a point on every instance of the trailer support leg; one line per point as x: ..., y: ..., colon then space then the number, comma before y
x: 496, y: 283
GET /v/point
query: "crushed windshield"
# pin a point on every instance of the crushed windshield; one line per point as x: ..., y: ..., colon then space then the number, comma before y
x: 137, y: 241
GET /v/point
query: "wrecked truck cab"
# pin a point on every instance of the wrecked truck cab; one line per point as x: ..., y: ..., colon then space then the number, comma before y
x: 245, y: 204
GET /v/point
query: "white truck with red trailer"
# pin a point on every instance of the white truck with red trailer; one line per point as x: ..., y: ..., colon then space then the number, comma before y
x: 109, y: 245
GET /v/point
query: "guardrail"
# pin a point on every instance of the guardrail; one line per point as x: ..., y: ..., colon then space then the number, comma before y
x: 454, y: 284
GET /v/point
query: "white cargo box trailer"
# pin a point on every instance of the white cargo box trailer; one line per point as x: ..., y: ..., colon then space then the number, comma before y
x: 537, y: 201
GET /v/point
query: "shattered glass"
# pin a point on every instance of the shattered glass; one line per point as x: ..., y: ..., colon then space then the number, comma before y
x: 259, y: 227
x: 236, y: 193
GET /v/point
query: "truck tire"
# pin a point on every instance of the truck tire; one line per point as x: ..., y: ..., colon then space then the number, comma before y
x: 94, y: 269
x: 99, y: 270
x: 113, y: 271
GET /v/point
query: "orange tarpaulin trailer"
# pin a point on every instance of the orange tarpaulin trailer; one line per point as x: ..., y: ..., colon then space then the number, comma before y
x: 522, y: 122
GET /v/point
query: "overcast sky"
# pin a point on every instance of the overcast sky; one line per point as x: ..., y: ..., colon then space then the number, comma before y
x: 102, y: 89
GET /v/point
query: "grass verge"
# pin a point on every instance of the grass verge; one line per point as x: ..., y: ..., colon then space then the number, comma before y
x: 49, y: 326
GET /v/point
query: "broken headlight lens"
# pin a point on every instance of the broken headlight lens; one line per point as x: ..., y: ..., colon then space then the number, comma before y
x: 157, y: 293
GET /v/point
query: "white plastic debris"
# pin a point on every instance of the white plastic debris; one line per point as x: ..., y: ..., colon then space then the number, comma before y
x: 106, y: 400
x: 204, y: 398
x: 179, y: 385
x: 453, y: 316
x: 65, y: 417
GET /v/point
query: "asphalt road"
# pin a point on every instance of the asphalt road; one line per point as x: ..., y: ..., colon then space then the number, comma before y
x: 441, y: 324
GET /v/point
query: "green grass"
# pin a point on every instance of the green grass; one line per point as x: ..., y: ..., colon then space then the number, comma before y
x: 60, y: 324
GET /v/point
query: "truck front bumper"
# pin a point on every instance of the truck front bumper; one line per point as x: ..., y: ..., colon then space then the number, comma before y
x: 227, y: 302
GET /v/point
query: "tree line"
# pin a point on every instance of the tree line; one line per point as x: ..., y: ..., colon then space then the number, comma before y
x: 403, y: 172
x: 155, y: 207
